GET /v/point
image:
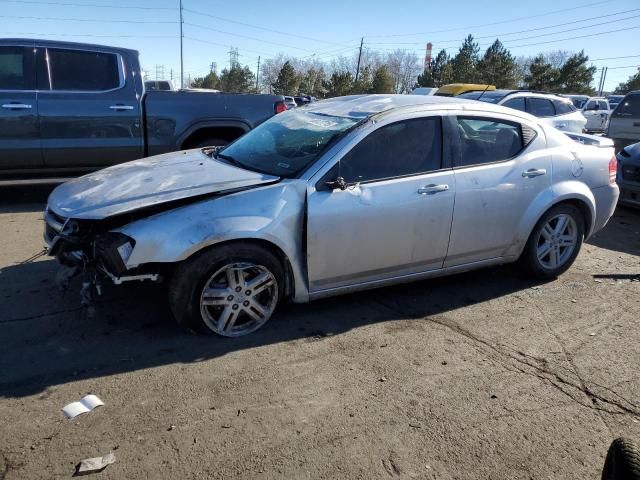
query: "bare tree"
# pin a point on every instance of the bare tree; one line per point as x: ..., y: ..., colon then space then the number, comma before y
x: 404, y: 68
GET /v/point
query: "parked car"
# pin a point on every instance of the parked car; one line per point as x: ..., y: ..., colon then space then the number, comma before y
x: 345, y: 194
x: 596, y: 111
x: 424, y: 91
x: 624, y: 123
x: 578, y: 100
x: 453, y: 89
x: 554, y: 110
x: 614, y: 100
x: 290, y: 103
x: 629, y: 175
x: 158, y: 85
x: 71, y: 107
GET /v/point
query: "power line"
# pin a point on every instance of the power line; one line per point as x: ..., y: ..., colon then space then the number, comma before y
x: 91, y: 5
x: 613, y: 58
x: 575, y: 38
x: 491, y: 24
x: 498, y: 35
x: 88, y: 35
x: 245, y: 36
x: 94, y: 20
x: 279, y: 32
x: 627, y: 66
x: 224, y: 46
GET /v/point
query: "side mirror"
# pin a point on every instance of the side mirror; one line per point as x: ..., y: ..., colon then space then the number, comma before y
x: 337, y: 183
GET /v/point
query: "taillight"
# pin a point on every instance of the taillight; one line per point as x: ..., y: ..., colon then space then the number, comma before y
x: 280, y: 107
x: 613, y: 168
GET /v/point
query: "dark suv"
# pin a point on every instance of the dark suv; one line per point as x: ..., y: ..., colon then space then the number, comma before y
x: 624, y: 124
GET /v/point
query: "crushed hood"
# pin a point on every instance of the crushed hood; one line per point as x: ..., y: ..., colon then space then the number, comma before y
x: 148, y: 182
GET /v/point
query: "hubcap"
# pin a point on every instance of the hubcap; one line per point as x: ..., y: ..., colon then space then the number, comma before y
x: 557, y: 241
x: 238, y: 299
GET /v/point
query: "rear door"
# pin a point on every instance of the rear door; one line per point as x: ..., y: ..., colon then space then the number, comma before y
x: 394, y: 218
x: 498, y: 174
x: 19, y: 130
x: 90, y: 114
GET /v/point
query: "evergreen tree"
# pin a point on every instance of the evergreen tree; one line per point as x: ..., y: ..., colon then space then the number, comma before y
x: 498, y: 67
x: 465, y: 63
x: 365, y: 81
x: 542, y: 75
x: 287, y: 81
x: 441, y: 69
x: 575, y: 76
x: 382, y: 81
x: 237, y: 79
x: 340, y: 83
x: 633, y: 83
x: 425, y: 79
x: 311, y: 82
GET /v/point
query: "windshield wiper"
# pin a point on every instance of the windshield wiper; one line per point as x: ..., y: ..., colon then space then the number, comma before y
x: 230, y: 159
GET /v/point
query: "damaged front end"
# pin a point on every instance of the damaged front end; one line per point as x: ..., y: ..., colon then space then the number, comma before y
x: 89, y: 248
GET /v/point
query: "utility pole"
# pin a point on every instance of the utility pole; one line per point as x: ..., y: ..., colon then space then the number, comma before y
x: 600, y: 82
x: 604, y: 78
x: 257, y: 74
x: 359, y: 57
x: 181, y: 59
x: 171, y: 74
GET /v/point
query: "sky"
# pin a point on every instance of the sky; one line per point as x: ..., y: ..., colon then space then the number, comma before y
x: 604, y: 29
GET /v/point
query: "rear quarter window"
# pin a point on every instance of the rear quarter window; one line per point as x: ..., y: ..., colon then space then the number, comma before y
x: 563, y: 107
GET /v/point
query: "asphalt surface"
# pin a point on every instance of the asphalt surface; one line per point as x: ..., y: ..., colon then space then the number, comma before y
x: 481, y: 375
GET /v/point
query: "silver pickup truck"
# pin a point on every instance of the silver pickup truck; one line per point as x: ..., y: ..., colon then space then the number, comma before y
x: 71, y: 108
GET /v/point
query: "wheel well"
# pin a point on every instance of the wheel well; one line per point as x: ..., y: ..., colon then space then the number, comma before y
x: 584, y: 211
x: 289, y: 290
x: 208, y: 133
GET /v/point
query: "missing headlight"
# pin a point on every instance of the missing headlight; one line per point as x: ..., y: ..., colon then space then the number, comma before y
x: 113, y: 249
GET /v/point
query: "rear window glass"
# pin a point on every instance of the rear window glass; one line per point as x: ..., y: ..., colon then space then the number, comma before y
x: 80, y: 70
x: 540, y: 107
x: 516, y: 103
x: 487, y: 140
x: 13, y: 74
x: 563, y: 107
x: 629, y: 107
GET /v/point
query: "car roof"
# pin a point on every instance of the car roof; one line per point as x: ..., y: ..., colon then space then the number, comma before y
x: 366, y: 106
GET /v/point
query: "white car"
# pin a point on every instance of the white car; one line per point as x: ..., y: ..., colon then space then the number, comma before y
x: 596, y: 110
x: 554, y: 110
x: 424, y: 91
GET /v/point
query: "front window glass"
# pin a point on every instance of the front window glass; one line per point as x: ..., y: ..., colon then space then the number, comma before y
x: 285, y: 144
x: 493, y: 96
x: 410, y: 147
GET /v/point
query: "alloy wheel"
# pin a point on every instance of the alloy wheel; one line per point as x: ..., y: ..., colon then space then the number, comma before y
x: 557, y: 241
x: 238, y: 299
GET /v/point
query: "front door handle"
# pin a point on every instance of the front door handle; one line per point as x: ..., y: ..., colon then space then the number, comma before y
x: 430, y: 189
x: 121, y: 107
x: 534, y: 172
x: 17, y: 106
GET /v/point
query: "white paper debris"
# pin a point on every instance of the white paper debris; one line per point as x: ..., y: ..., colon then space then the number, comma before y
x: 85, y: 405
x: 95, y: 464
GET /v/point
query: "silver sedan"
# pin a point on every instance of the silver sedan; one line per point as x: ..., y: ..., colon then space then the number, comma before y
x: 341, y: 195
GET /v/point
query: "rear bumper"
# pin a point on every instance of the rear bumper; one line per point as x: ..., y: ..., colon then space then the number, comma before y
x: 606, y: 198
x: 629, y: 194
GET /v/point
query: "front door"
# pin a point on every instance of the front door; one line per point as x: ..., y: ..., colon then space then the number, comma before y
x: 393, y: 218
x: 90, y: 116
x: 19, y: 131
x: 497, y: 179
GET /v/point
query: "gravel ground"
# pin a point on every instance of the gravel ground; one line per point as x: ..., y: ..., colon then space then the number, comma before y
x: 479, y: 375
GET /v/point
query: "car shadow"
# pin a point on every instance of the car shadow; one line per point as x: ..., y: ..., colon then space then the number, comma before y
x: 58, y: 341
x: 24, y: 198
x: 622, y: 233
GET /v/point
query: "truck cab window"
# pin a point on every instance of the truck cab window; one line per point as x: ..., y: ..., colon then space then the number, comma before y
x: 79, y: 70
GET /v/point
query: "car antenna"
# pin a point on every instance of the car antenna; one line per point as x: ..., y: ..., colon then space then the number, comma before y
x: 483, y: 92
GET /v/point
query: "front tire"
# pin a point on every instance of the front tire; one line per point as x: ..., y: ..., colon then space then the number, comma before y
x: 622, y: 462
x: 231, y: 290
x: 554, y: 242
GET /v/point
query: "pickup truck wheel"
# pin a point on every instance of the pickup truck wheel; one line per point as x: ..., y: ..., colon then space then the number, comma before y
x: 231, y: 290
x: 211, y: 142
x: 554, y: 242
x: 622, y: 462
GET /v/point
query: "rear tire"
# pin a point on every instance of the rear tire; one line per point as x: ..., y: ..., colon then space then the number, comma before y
x: 554, y: 242
x: 231, y: 290
x: 623, y: 461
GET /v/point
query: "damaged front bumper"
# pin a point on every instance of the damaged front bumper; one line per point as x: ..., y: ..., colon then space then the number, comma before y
x: 90, y: 249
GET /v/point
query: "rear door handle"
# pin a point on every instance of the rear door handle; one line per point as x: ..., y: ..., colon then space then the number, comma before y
x: 534, y: 172
x: 429, y: 189
x: 121, y: 107
x: 17, y: 106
